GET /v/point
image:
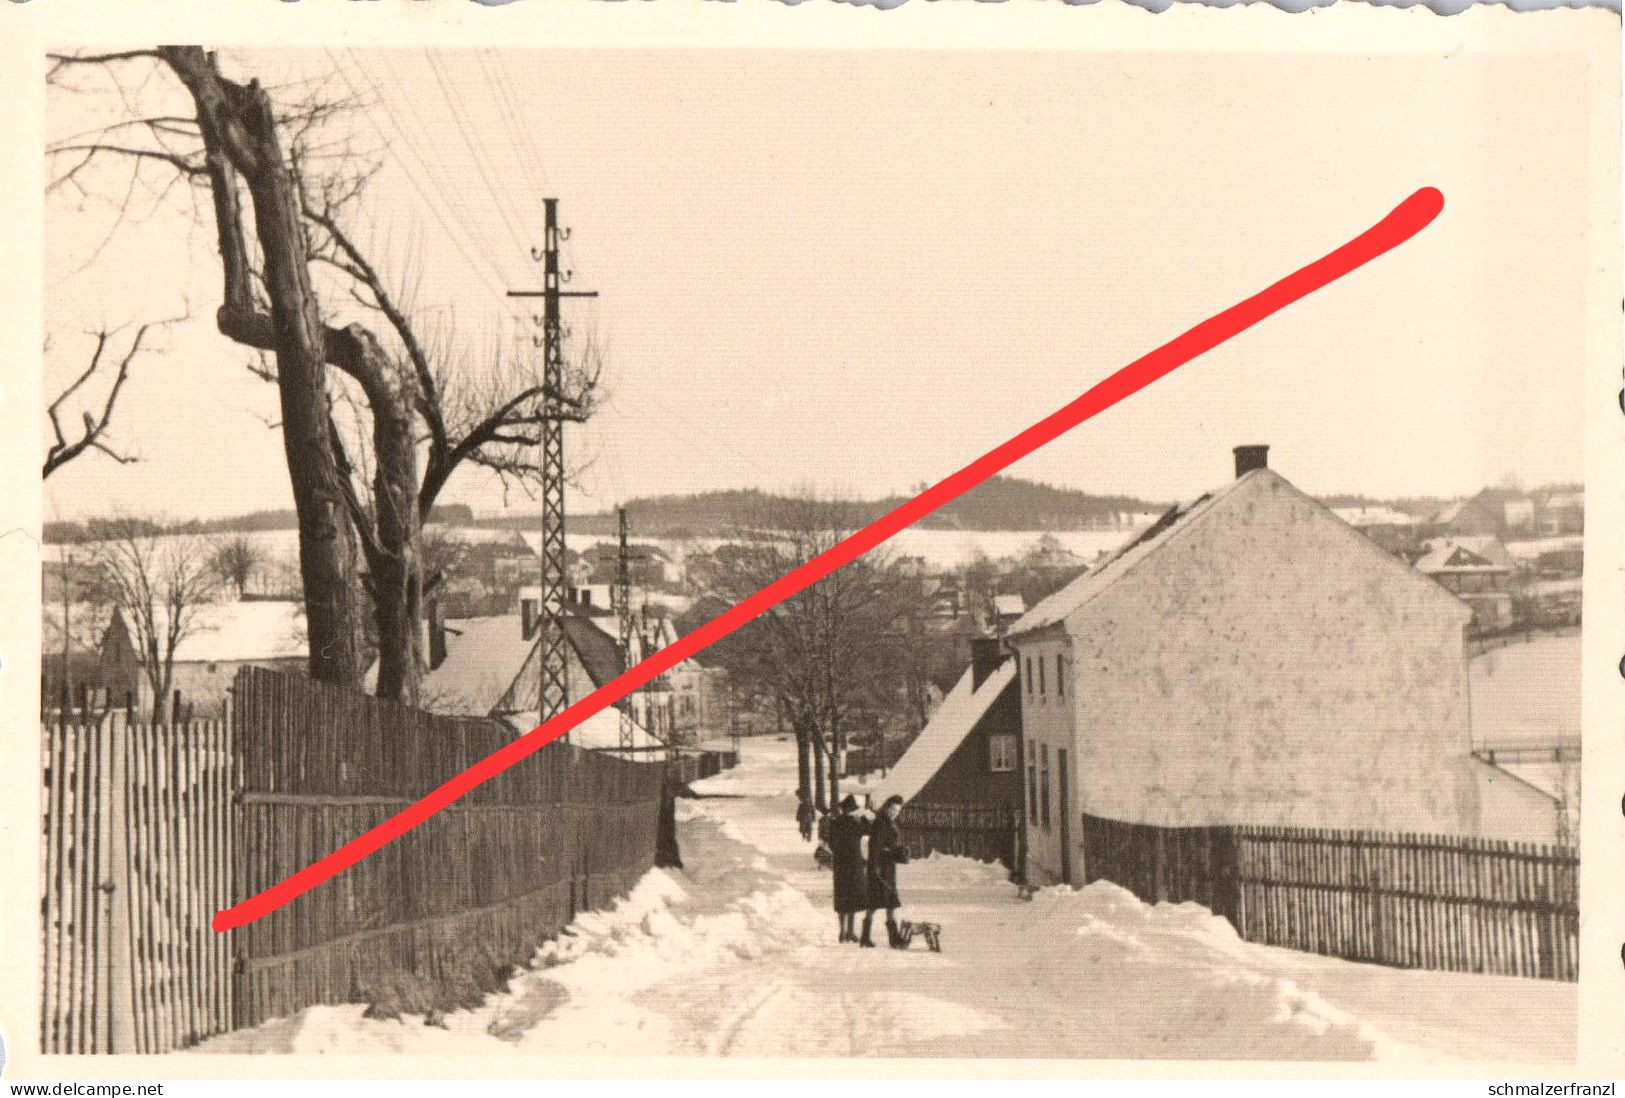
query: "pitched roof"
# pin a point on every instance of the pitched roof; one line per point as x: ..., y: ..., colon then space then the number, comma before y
x: 1452, y: 557
x: 1009, y: 604
x: 601, y: 730
x: 483, y: 657
x: 226, y: 632
x: 1089, y: 586
x: 600, y: 653
x: 954, y: 719
x: 1487, y: 546
x: 1358, y: 517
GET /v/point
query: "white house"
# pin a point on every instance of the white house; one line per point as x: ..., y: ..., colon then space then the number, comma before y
x: 217, y: 640
x: 1252, y: 659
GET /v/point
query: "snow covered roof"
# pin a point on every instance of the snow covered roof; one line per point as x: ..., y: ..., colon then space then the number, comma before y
x: 483, y: 657
x: 959, y: 712
x: 1488, y: 546
x: 599, y: 731
x: 223, y: 632
x: 1450, y: 556
x: 1009, y: 604
x: 1358, y: 517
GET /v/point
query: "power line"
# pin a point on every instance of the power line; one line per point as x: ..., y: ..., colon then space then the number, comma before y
x: 485, y: 272
x: 446, y: 181
x: 461, y: 122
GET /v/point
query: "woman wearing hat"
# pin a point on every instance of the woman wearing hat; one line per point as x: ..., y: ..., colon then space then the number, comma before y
x: 886, y: 852
x: 846, y: 832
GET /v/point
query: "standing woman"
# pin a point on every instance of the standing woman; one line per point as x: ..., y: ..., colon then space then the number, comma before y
x: 846, y: 832
x: 886, y: 853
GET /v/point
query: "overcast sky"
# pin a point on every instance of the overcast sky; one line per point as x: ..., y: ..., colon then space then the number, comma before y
x: 857, y: 271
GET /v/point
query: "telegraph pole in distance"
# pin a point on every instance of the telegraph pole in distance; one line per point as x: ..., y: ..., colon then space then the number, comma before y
x: 553, y: 693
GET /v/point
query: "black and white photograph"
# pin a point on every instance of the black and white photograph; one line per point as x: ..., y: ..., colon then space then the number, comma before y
x: 798, y: 552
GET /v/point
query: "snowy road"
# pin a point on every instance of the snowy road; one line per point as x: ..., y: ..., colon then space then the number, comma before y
x: 736, y: 955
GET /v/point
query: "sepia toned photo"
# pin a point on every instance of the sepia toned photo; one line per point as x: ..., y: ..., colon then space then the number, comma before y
x: 1178, y: 458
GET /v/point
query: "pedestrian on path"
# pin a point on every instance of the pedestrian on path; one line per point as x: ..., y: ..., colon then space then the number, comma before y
x: 846, y: 833
x: 886, y: 853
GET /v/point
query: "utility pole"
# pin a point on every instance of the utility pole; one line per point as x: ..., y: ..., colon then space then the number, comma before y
x: 623, y: 595
x: 553, y: 690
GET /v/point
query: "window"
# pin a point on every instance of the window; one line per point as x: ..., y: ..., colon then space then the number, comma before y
x: 1032, y: 784
x: 1029, y: 674
x: 1040, y: 673
x: 1060, y: 676
x: 1001, y: 753
x: 1043, y: 787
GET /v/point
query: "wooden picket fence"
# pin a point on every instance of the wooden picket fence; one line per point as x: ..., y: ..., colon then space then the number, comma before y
x: 988, y: 833
x: 151, y: 828
x: 1413, y: 901
x: 137, y: 833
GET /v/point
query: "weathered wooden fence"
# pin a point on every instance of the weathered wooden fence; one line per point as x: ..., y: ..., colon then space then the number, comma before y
x: 872, y: 757
x: 989, y: 833
x: 691, y: 765
x: 1414, y: 901
x: 137, y: 835
x: 150, y: 829
x: 439, y: 916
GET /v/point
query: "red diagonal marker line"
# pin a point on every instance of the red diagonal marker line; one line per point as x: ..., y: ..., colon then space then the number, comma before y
x: 1407, y: 219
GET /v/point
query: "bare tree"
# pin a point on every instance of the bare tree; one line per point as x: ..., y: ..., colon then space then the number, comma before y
x: 825, y: 655
x: 236, y: 559
x: 92, y: 432
x: 157, y: 583
x: 346, y: 497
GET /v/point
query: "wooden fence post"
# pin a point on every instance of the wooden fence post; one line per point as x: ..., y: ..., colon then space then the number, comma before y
x: 115, y: 791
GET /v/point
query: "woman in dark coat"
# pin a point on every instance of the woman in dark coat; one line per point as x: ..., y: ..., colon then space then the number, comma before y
x: 846, y: 832
x: 886, y: 852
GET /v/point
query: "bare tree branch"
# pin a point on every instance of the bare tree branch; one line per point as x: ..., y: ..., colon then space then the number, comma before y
x: 93, y: 435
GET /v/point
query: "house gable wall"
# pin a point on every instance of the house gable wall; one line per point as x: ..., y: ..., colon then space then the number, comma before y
x: 966, y: 776
x: 1269, y: 665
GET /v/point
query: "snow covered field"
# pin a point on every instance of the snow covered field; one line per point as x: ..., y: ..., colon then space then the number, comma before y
x: 736, y: 955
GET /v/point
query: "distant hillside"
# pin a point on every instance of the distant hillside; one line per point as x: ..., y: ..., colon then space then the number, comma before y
x: 1002, y: 503
x: 56, y: 533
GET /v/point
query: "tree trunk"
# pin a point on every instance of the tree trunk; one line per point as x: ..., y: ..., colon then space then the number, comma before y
x: 803, y: 766
x: 239, y: 131
x: 394, y: 557
x: 818, y: 779
x: 327, y: 557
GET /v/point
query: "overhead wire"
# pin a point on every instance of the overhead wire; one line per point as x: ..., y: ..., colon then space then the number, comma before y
x: 455, y: 186
x: 392, y: 148
x: 499, y: 195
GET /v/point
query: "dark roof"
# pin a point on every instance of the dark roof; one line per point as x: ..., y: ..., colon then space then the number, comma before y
x: 600, y: 653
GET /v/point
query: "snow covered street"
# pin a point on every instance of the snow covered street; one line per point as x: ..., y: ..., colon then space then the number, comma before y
x: 736, y: 954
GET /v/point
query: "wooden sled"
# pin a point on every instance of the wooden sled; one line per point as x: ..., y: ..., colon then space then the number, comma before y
x: 931, y: 932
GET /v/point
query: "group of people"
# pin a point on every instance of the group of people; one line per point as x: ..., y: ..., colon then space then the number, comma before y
x: 866, y: 881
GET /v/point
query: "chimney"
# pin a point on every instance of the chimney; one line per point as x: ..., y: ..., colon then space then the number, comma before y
x: 986, y: 653
x: 528, y: 617
x: 437, y: 635
x: 1249, y: 458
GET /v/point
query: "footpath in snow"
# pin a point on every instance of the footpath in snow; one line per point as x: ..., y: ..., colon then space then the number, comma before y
x: 735, y: 954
